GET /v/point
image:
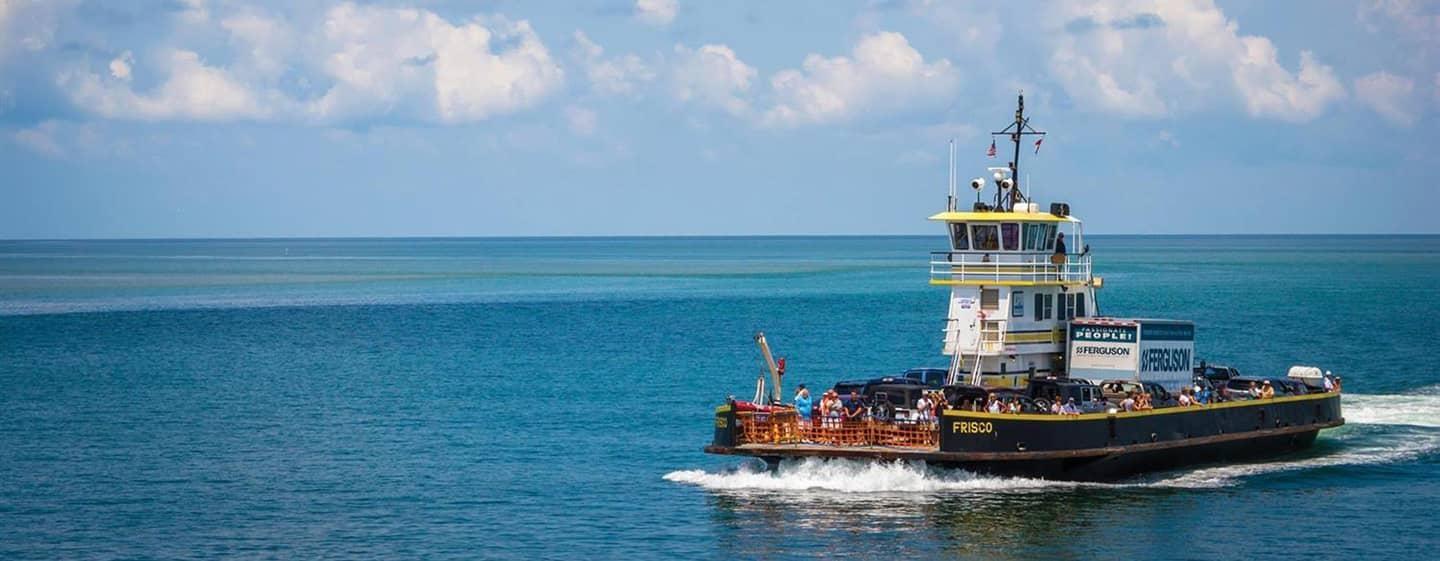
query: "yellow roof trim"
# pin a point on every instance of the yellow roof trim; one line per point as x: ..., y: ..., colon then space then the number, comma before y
x: 947, y: 282
x: 1001, y: 217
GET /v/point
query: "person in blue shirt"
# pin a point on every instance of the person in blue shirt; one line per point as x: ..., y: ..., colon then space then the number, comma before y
x: 802, y: 403
x: 1070, y: 408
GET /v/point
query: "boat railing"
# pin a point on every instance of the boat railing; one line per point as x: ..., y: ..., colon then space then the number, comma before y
x: 951, y: 266
x: 787, y: 427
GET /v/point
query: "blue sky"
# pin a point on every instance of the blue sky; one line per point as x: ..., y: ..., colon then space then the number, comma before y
x: 190, y: 118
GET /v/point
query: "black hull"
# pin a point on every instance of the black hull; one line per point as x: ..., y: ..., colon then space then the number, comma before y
x: 1095, y: 447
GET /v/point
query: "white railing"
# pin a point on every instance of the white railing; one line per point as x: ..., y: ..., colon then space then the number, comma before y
x: 1007, y: 267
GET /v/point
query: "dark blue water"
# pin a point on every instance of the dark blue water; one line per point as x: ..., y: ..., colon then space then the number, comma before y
x: 523, y: 399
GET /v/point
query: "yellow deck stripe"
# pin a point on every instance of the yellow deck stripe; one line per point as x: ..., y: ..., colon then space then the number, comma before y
x: 1125, y: 414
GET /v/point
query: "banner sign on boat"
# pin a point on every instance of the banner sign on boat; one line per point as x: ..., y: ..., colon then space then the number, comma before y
x: 1103, y: 350
x: 1167, y: 353
x: 1160, y: 351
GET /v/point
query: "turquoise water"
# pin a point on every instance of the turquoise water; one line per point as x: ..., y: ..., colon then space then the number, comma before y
x: 548, y: 398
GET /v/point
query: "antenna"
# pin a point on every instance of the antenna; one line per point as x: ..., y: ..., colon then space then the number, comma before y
x: 1021, y: 127
x: 950, y: 193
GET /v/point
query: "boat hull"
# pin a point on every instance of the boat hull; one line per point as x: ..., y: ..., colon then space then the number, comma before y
x: 1093, y: 447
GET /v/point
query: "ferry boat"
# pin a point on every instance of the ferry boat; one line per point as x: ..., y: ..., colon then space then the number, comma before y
x: 1039, y: 384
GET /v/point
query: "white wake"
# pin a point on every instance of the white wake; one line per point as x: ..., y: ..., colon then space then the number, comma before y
x: 1380, y: 429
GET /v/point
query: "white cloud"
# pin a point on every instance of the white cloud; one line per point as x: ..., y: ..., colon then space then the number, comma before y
x: 656, y: 12
x: 120, y: 66
x: 41, y: 137
x: 1389, y: 95
x: 383, y: 58
x: 883, y: 73
x: 580, y: 120
x: 264, y: 43
x: 368, y: 62
x: 622, y: 75
x: 191, y: 90
x: 712, y: 75
x: 1147, y: 58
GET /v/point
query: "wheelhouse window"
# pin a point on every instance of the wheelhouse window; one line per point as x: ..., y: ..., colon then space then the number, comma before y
x: 1033, y: 241
x: 1017, y: 304
x: 1010, y: 235
x: 986, y: 237
x: 1080, y: 305
x: 1039, y: 306
x: 959, y: 236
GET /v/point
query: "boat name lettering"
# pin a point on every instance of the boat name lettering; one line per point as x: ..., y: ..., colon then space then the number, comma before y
x: 973, y: 427
x: 1165, y: 360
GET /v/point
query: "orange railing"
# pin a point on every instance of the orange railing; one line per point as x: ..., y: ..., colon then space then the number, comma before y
x: 786, y: 427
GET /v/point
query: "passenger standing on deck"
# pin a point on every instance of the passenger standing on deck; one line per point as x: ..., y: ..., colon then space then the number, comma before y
x: 1329, y: 382
x: 923, y: 408
x: 1184, y: 400
x: 994, y: 406
x: 1254, y: 391
x: 1070, y: 408
x: 1129, y: 403
x: 1268, y: 391
x: 833, y: 409
x: 802, y: 403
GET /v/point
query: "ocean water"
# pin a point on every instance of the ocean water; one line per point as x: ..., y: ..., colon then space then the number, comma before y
x: 548, y: 399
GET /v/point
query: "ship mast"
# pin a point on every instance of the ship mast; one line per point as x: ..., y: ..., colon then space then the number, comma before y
x: 1021, y: 127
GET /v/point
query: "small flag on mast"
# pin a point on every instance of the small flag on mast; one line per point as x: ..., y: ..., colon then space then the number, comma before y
x: 1037, y: 144
x: 991, y: 151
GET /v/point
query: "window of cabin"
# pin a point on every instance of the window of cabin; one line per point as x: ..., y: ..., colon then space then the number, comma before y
x: 959, y: 236
x: 1039, y: 306
x: 1050, y: 237
x: 989, y: 299
x: 1010, y: 234
x: 985, y: 237
x: 1034, y: 239
x: 1017, y: 304
x: 1080, y: 305
x: 1049, y: 306
x: 1069, y: 306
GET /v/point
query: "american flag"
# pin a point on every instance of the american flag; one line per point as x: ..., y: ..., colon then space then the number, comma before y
x: 991, y: 151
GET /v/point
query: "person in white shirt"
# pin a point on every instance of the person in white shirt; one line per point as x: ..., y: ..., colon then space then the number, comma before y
x: 994, y: 406
x: 1070, y: 408
x: 1329, y: 383
x: 1129, y: 403
x: 922, y: 409
x: 1184, y: 399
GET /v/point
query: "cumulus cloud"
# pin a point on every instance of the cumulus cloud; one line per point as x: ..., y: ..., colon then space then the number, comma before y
x: 656, y: 12
x: 1147, y: 58
x: 883, y: 73
x: 621, y: 75
x: 712, y: 75
x: 120, y: 66
x: 367, y: 61
x: 191, y: 90
x: 381, y: 58
x: 1389, y: 95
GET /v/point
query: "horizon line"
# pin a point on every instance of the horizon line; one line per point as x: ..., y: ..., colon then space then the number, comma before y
x: 669, y: 236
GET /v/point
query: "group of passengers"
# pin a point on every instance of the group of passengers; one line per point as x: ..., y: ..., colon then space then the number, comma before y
x: 834, y: 412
